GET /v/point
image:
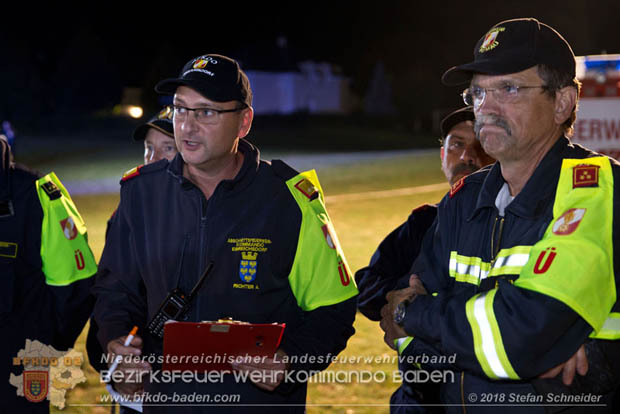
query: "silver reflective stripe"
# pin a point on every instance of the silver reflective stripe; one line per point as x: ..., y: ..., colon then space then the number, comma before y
x: 612, y: 323
x: 512, y: 261
x: 488, y: 343
x: 472, y: 270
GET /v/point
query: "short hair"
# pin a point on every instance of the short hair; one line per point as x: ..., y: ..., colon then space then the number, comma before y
x: 556, y: 79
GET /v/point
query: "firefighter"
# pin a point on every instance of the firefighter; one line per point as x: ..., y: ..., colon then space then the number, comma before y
x: 47, y: 268
x: 520, y: 257
x: 264, y: 225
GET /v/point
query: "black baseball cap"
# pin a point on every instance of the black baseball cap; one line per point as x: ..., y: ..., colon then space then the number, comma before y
x: 513, y: 46
x: 456, y: 117
x: 161, y: 122
x: 216, y: 77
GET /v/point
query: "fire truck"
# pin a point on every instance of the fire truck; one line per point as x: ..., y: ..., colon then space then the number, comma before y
x: 598, y: 115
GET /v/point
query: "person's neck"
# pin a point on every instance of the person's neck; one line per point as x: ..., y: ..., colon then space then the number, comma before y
x: 517, y: 172
x: 207, y: 176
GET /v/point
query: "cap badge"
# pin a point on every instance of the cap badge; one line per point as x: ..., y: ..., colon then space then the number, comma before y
x: 165, y: 113
x: 490, y: 41
x: 203, y: 61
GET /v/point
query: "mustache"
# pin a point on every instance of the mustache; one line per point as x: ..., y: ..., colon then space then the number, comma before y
x: 465, y: 168
x: 484, y: 120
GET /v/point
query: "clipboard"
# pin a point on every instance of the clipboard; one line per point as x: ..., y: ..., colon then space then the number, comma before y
x: 212, y: 346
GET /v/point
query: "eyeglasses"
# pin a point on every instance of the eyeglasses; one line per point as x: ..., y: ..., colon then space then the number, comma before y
x: 203, y: 115
x: 508, y: 93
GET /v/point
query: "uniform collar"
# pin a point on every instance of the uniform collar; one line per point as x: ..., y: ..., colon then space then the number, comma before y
x: 536, y: 193
x: 251, y: 162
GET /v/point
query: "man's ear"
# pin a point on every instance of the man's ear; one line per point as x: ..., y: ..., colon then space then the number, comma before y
x: 441, y: 152
x: 245, y: 123
x: 565, y: 101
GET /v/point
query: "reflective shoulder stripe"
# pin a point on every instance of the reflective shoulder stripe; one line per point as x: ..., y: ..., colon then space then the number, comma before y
x: 473, y: 269
x: 488, y: 344
x: 65, y: 253
x: 573, y: 262
x: 610, y: 329
x: 320, y: 275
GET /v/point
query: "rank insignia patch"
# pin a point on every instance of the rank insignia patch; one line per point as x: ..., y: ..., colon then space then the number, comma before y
x: 134, y: 172
x: 247, y: 266
x: 35, y: 385
x: 585, y: 175
x: 51, y: 190
x: 307, y: 188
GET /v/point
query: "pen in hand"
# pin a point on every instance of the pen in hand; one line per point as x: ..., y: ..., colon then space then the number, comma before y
x: 118, y: 358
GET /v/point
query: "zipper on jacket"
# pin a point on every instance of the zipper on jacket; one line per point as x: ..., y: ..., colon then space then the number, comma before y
x: 202, y: 225
x: 494, y: 245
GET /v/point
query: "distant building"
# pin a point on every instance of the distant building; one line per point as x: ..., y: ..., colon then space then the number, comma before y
x: 315, y: 88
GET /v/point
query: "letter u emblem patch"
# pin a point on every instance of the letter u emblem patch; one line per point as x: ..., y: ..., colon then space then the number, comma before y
x: 547, y: 255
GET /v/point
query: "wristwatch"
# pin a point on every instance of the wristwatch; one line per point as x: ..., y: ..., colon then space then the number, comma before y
x: 399, y: 312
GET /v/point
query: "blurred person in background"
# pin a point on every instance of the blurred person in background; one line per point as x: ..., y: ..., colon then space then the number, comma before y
x: 158, y: 137
x: 461, y: 154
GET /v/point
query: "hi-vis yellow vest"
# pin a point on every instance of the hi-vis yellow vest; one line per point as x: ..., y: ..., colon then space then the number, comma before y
x: 65, y: 253
x: 320, y: 275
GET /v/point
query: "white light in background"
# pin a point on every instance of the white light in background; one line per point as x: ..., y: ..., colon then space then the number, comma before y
x: 135, y: 112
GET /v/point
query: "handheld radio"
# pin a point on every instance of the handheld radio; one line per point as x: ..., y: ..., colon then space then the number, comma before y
x: 175, y: 307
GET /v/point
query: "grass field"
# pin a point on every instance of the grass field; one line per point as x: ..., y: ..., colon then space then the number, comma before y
x: 361, y: 223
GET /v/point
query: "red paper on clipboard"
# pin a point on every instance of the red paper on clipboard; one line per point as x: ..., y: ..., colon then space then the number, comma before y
x: 211, y: 346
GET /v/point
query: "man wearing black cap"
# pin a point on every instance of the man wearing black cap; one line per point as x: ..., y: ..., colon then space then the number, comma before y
x: 263, y: 225
x: 158, y: 137
x: 521, y: 253
x: 461, y: 154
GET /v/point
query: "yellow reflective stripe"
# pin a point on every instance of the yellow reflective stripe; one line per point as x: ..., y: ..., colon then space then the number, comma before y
x: 477, y: 335
x: 472, y: 269
x: 402, y: 343
x: 488, y: 344
x: 610, y: 329
x: 468, y: 269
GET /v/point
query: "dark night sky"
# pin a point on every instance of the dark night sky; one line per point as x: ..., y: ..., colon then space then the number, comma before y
x: 71, y: 64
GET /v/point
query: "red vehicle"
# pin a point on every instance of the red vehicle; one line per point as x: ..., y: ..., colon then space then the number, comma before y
x: 598, y: 115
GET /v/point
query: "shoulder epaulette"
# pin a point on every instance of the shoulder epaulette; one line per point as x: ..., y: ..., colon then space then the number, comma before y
x: 134, y: 172
x: 457, y: 186
x: 282, y: 169
x: 143, y: 169
x: 423, y: 207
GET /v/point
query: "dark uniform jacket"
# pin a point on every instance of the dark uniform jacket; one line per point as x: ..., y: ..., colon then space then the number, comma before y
x: 165, y: 232
x: 30, y: 309
x: 518, y: 294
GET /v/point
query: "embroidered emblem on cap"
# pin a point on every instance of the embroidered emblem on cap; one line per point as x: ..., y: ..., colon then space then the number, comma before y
x: 585, y: 175
x: 568, y: 222
x: 490, y: 41
x: 203, y: 61
x: 165, y: 113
